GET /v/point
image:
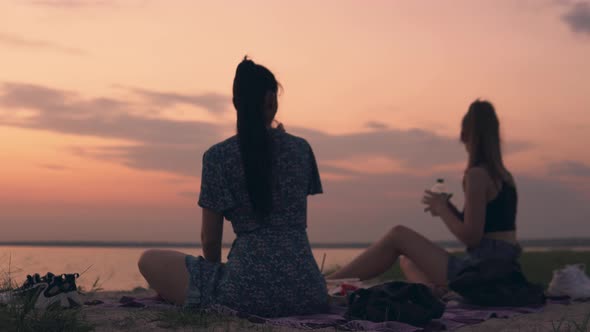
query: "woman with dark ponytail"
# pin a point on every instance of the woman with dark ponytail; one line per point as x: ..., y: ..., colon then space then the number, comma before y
x: 259, y: 180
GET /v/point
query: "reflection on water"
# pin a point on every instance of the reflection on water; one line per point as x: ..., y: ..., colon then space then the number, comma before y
x: 116, y: 268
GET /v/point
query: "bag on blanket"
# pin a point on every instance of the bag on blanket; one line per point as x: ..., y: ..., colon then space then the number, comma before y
x: 497, y: 283
x: 395, y: 301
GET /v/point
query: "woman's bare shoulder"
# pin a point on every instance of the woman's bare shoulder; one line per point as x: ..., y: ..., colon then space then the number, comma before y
x: 477, y: 174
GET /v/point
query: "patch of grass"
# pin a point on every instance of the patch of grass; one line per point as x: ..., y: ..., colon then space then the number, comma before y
x: 395, y: 273
x: 139, y: 289
x: 96, y: 287
x: 566, y: 325
x: 21, y: 320
x: 20, y: 315
x: 184, y: 317
x: 537, y: 266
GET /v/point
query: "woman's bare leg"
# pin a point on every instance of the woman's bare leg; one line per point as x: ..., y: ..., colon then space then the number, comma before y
x: 412, y: 272
x: 166, y: 273
x: 378, y: 258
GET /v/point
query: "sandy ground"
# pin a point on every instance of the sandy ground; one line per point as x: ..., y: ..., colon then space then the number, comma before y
x: 571, y: 317
x: 141, y: 319
x: 146, y: 319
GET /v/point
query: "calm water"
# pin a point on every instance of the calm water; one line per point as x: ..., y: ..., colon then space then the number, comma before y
x: 116, y: 268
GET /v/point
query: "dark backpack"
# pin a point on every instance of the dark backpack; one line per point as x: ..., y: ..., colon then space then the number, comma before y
x: 395, y: 301
x: 497, y: 283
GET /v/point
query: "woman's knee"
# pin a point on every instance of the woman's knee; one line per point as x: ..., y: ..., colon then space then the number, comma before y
x: 146, y: 260
x: 398, y: 232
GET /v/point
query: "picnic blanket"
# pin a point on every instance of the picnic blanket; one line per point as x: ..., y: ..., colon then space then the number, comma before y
x: 456, y: 315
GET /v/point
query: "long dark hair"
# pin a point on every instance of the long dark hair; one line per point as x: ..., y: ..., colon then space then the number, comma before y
x: 252, y: 84
x: 480, y: 131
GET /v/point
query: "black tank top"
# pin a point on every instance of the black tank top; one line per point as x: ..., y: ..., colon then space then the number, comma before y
x: 501, y: 211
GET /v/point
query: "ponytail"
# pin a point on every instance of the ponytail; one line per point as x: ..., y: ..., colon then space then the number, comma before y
x: 252, y: 83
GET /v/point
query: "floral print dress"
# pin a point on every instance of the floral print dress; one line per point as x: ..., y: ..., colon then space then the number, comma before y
x: 270, y: 270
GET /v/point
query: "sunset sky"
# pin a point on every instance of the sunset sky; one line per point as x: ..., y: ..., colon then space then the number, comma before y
x: 106, y: 108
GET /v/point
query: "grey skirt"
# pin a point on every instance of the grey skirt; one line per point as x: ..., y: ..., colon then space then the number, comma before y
x: 487, y: 249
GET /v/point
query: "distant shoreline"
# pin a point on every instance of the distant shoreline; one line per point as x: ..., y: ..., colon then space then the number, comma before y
x: 539, y: 243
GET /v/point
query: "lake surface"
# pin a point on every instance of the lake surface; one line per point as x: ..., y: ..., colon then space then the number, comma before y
x: 115, y: 268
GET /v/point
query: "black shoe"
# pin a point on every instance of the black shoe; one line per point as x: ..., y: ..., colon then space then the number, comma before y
x: 46, y: 291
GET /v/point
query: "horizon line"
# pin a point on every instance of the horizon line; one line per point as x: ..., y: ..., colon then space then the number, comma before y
x: 543, y: 242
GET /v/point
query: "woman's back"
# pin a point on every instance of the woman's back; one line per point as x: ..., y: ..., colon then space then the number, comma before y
x: 270, y: 270
x: 294, y: 176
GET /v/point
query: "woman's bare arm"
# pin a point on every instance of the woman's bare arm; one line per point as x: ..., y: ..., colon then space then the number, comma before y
x: 455, y: 210
x: 470, y: 230
x: 211, y: 235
